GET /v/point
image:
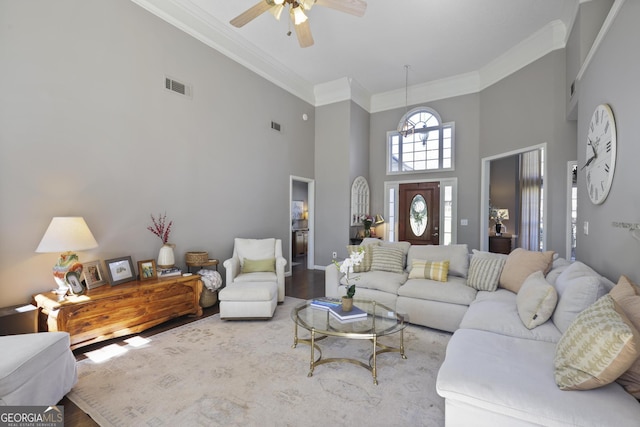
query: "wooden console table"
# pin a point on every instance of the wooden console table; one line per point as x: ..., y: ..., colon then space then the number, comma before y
x: 500, y: 244
x: 113, y: 311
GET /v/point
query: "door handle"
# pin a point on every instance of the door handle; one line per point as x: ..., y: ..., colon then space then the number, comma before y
x: 435, y: 234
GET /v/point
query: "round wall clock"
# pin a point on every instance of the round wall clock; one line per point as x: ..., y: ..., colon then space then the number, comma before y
x: 601, y: 153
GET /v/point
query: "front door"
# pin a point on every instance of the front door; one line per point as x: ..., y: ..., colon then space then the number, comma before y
x: 419, y: 213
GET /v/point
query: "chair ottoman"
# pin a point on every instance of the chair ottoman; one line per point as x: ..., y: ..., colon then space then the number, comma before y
x: 36, y: 369
x: 250, y: 300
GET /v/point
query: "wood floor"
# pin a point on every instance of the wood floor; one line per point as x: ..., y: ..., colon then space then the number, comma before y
x: 302, y: 283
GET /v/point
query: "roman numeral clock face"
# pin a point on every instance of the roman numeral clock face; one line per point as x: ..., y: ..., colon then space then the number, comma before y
x: 600, y: 161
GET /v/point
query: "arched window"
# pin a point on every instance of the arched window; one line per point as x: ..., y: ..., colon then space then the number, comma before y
x: 428, y: 148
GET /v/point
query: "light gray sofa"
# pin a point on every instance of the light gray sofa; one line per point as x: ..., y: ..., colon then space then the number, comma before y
x: 427, y: 302
x: 497, y: 372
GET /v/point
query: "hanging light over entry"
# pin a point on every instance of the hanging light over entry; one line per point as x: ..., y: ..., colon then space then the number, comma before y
x: 406, y: 126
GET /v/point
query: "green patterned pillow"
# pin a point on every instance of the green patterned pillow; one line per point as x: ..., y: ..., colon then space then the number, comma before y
x: 365, y: 265
x: 598, y: 347
x: 484, y: 273
x: 388, y: 259
x: 422, y: 269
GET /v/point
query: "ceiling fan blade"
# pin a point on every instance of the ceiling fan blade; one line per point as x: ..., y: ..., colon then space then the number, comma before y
x: 251, y: 14
x: 303, y: 31
x: 353, y: 7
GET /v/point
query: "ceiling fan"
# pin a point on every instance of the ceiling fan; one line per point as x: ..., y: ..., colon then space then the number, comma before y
x: 297, y: 10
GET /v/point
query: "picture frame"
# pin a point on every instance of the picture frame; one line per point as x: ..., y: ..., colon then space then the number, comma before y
x: 72, y: 278
x: 297, y: 209
x: 120, y: 270
x: 147, y: 269
x: 93, y: 274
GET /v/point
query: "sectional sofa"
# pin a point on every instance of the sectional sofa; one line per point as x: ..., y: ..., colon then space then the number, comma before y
x: 521, y: 324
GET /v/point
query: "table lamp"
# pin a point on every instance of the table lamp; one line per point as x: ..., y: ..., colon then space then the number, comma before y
x: 66, y: 235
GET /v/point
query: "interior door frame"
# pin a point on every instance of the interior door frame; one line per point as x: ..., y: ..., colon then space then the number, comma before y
x: 311, y: 197
x: 485, y: 190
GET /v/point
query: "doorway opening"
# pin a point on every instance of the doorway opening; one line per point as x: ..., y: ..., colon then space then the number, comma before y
x: 538, y: 225
x: 301, y: 223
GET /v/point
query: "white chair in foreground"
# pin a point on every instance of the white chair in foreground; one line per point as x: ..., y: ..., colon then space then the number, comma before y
x: 255, y: 279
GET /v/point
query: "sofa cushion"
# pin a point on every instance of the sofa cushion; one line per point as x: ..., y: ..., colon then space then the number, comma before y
x: 387, y: 259
x: 380, y: 280
x: 514, y: 377
x: 599, y: 346
x: 536, y: 300
x: 434, y: 270
x: 557, y: 267
x: 627, y: 295
x: 497, y: 312
x: 520, y: 264
x: 454, y: 291
x: 578, y: 287
x: 457, y: 255
x: 484, y: 273
x: 256, y: 265
x: 492, y: 255
x: 365, y: 265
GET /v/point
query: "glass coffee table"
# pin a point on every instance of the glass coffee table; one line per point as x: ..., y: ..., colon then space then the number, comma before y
x: 379, y: 321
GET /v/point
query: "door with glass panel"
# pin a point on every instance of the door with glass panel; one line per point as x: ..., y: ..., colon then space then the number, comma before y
x: 419, y: 213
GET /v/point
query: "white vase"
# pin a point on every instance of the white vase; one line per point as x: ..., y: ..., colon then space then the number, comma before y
x: 166, y: 259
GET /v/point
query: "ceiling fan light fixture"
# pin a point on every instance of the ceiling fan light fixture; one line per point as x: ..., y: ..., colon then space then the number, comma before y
x: 276, y: 10
x: 298, y: 16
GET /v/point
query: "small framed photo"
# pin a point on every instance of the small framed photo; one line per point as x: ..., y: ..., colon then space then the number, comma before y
x: 93, y: 275
x: 147, y: 269
x: 73, y: 280
x: 120, y: 270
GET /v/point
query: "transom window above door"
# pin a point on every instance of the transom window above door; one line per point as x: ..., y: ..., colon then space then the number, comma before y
x: 428, y: 148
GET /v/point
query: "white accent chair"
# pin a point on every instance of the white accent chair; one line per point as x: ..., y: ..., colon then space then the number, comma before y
x: 255, y: 293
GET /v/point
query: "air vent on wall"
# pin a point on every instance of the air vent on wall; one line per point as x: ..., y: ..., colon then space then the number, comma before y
x: 176, y: 86
x: 275, y: 126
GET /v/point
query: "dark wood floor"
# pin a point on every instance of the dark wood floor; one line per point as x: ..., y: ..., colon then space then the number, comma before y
x: 302, y: 283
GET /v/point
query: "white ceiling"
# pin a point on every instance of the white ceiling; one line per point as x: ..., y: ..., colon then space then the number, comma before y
x: 452, y: 46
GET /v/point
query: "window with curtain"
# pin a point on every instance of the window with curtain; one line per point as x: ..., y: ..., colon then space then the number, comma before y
x: 531, y: 199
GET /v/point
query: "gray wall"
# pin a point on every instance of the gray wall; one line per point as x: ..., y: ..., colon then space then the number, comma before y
x: 612, y: 77
x: 504, y: 190
x: 525, y: 109
x: 464, y: 111
x: 87, y: 128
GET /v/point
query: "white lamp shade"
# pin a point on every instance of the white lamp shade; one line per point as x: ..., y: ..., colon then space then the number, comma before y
x: 67, y: 234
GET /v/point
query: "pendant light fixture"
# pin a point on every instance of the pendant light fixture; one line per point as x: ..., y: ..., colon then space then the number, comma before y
x: 406, y: 126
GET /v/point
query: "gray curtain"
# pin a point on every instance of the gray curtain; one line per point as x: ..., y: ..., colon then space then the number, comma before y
x: 530, y: 200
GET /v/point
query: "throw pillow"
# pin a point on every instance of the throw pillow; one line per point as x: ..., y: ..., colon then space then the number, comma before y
x: 387, y: 259
x: 258, y: 265
x: 429, y: 270
x: 599, y: 346
x: 627, y: 295
x: 484, y: 273
x: 520, y: 264
x: 578, y: 286
x: 365, y: 265
x: 536, y: 300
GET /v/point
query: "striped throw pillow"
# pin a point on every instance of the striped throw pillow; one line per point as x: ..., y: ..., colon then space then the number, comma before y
x: 421, y: 269
x: 365, y: 265
x: 388, y: 259
x: 484, y: 273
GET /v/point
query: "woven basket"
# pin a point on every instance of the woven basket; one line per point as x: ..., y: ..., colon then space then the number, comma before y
x: 196, y: 258
x: 208, y: 298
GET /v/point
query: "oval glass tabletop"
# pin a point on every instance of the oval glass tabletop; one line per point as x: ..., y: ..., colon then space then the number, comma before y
x: 379, y: 320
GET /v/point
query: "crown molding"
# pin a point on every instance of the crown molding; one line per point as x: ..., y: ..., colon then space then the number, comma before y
x: 193, y: 20
x: 196, y: 22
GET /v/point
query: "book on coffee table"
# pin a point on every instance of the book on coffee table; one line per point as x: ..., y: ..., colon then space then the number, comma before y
x: 355, y: 313
x: 326, y: 302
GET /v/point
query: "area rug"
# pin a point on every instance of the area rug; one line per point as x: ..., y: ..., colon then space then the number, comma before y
x: 245, y: 373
